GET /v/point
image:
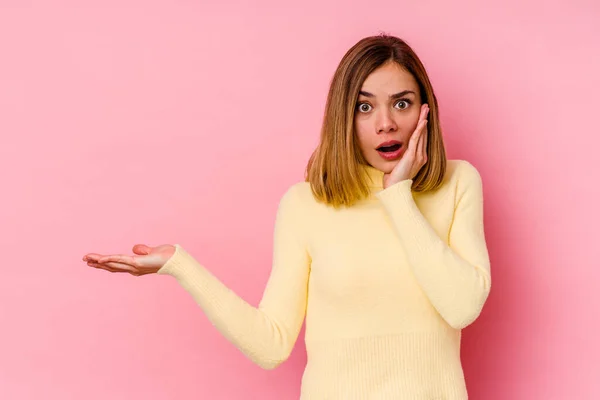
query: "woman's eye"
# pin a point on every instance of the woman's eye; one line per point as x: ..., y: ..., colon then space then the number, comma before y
x: 407, y: 102
x: 364, y: 107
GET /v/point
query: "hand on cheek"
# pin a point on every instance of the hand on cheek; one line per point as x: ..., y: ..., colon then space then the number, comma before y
x: 415, y: 156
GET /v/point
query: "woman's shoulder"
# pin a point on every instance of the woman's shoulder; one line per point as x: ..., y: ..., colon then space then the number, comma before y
x: 297, y: 195
x: 458, y: 177
x: 463, y: 178
x: 461, y: 171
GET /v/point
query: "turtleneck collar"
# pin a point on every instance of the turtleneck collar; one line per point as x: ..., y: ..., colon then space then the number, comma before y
x: 374, y: 176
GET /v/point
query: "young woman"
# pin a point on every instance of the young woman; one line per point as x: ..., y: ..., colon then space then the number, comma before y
x: 381, y: 250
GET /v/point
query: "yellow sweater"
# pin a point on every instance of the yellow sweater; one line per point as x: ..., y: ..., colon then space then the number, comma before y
x: 385, y: 287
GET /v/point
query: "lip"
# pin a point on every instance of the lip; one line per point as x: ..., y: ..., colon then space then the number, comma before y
x: 393, y: 155
x: 389, y: 143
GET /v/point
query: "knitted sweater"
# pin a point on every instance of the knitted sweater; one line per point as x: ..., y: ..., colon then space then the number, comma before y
x: 384, y: 286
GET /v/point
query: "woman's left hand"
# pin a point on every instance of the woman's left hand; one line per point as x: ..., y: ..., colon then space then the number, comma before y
x: 415, y: 157
x: 147, y: 260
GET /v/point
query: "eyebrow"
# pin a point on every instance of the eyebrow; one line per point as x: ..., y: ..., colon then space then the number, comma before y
x: 392, y: 96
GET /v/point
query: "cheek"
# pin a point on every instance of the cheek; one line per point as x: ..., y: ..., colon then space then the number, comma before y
x: 363, y: 132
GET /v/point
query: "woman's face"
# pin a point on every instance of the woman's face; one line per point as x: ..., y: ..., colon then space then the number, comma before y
x: 387, y: 113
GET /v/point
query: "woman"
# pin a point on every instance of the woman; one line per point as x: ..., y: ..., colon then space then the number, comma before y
x: 381, y: 249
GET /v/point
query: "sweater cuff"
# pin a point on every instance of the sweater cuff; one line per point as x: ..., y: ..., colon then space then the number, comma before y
x: 400, y: 191
x: 178, y: 265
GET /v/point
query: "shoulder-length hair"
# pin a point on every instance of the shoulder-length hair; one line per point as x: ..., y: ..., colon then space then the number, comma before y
x: 333, y: 169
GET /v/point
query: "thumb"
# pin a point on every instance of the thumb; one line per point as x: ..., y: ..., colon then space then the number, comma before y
x: 141, y: 249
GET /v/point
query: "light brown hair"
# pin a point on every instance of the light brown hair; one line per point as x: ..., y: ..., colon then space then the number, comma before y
x: 333, y: 169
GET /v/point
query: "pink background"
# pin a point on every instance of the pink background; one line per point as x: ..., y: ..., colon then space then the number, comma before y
x: 154, y: 122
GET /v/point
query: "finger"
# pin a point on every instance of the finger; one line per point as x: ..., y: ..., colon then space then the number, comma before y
x: 414, y: 139
x: 141, y: 249
x: 422, y: 137
x: 113, y: 267
x: 425, y: 139
x: 424, y: 111
x: 101, y: 266
x: 421, y: 144
x: 92, y: 256
x: 121, y: 267
x: 118, y: 258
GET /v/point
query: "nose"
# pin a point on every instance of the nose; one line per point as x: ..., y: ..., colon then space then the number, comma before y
x: 385, y: 122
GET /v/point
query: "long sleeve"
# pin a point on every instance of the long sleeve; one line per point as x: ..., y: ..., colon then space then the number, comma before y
x: 455, y: 275
x: 265, y: 334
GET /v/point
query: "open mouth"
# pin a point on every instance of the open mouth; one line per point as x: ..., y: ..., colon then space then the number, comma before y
x: 389, y: 149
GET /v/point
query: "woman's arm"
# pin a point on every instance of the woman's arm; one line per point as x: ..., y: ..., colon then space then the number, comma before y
x: 265, y: 334
x: 455, y: 277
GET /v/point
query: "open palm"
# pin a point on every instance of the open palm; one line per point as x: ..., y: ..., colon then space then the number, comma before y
x: 147, y: 260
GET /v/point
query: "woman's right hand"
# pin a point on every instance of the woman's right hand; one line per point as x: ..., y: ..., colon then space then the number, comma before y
x: 148, y: 260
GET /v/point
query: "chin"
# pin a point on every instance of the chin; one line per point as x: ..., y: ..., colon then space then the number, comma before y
x: 385, y: 166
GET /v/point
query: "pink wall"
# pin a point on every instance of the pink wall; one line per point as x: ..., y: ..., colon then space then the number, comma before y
x: 136, y: 121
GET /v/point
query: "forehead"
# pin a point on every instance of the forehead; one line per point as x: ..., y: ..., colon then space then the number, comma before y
x: 389, y: 78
